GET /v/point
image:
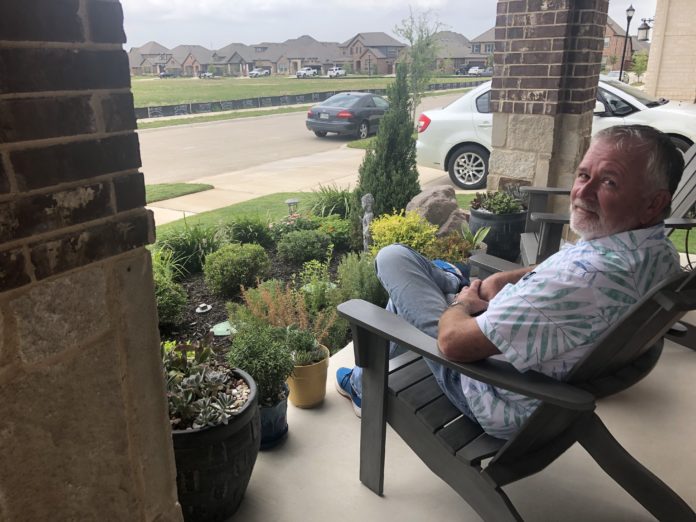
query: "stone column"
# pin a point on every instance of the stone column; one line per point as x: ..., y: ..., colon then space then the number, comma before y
x: 547, y: 61
x: 84, y: 432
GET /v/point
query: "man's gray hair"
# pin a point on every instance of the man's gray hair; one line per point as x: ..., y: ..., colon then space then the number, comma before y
x: 665, y: 163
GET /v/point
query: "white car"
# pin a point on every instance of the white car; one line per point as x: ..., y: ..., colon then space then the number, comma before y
x: 306, y: 72
x: 457, y: 138
x: 334, y: 72
x: 256, y: 72
x: 475, y: 71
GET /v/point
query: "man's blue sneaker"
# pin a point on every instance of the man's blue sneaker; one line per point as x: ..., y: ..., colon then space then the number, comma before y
x: 345, y: 388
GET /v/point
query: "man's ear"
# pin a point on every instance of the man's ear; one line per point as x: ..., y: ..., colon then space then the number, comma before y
x: 659, y: 202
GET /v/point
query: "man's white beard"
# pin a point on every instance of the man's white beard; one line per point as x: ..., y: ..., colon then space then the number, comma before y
x: 587, y: 226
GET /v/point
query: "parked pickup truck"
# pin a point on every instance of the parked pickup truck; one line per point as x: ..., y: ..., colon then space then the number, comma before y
x: 306, y: 72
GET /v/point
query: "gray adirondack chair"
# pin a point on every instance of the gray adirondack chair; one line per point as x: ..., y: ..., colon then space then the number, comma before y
x: 543, y: 229
x: 403, y: 392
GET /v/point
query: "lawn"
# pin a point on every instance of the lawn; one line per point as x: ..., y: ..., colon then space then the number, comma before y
x: 173, y: 91
x: 162, y: 191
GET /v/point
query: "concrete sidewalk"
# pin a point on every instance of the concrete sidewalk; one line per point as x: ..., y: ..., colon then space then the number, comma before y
x: 303, y: 174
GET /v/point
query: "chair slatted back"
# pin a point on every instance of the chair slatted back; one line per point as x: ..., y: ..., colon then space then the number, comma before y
x: 685, y: 196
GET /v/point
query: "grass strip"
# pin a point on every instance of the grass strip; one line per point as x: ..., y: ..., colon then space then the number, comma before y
x: 156, y: 124
x: 162, y: 191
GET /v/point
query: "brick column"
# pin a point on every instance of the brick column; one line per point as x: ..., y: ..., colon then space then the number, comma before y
x: 547, y: 62
x: 84, y: 433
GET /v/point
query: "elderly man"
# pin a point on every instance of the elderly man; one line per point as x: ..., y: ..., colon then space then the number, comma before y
x: 547, y: 317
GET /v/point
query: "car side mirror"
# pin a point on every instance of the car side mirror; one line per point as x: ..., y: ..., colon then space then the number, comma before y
x: 599, y: 108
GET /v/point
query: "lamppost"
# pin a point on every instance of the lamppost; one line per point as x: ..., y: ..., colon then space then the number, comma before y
x: 644, y: 29
x: 629, y: 14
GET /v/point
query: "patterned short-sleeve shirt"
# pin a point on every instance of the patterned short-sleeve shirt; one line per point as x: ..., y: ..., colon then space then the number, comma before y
x: 550, y: 318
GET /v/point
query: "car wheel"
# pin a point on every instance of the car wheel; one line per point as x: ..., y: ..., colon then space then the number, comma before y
x: 320, y: 134
x: 680, y: 143
x: 363, y: 130
x: 468, y: 167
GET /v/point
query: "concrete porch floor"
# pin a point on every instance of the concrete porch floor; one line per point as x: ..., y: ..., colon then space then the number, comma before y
x: 313, y: 476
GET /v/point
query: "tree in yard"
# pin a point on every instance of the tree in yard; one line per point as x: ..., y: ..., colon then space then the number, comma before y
x: 640, y: 63
x: 612, y: 59
x: 388, y: 171
x: 419, y: 31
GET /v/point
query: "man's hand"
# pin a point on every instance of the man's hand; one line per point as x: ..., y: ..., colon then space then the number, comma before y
x: 470, y: 298
x: 496, y: 282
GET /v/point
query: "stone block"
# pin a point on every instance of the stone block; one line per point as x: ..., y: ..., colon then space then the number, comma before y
x: 140, y: 340
x: 513, y: 164
x: 500, y: 129
x: 434, y: 204
x: 531, y: 133
x: 12, y: 270
x: 130, y: 191
x: 47, y: 166
x: 118, y: 112
x: 56, y: 316
x: 64, y: 446
x: 41, y: 21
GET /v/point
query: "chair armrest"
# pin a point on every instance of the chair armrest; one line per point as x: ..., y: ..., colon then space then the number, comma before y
x: 549, y: 217
x: 680, y: 223
x: 487, y: 264
x: 491, y: 371
x: 552, y: 191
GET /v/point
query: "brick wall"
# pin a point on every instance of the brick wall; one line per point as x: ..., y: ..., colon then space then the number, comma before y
x: 547, y: 62
x: 84, y: 432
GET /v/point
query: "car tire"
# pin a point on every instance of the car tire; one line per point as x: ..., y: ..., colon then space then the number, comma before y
x: 363, y: 130
x: 680, y: 143
x: 320, y: 134
x: 468, y: 167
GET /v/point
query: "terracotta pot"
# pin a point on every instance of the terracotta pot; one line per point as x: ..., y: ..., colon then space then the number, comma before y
x: 308, y: 383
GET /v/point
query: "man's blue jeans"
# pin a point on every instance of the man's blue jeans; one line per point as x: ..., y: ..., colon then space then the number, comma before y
x: 419, y: 292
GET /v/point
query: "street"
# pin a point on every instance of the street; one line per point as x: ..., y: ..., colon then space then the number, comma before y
x: 188, y: 152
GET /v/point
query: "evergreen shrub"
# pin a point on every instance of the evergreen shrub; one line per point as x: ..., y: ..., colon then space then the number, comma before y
x: 303, y: 245
x: 249, y: 230
x: 233, y: 266
x: 357, y: 279
x: 171, y: 299
x: 407, y: 228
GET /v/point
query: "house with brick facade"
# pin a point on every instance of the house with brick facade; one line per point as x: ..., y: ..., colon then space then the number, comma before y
x: 453, y: 51
x: 374, y: 53
x: 614, y: 37
x: 482, y: 48
x: 148, y: 59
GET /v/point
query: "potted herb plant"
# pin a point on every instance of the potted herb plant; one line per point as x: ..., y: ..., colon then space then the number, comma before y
x: 215, y: 430
x: 505, y: 216
x: 260, y: 349
x: 307, y: 382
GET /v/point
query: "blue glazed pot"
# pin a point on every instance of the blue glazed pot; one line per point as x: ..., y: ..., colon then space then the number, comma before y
x: 274, y: 423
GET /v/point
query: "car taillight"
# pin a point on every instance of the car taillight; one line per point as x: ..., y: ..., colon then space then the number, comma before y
x: 423, y: 123
x: 310, y: 114
x: 345, y: 115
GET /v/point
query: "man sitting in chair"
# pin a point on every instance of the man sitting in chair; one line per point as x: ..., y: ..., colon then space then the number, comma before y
x: 545, y: 318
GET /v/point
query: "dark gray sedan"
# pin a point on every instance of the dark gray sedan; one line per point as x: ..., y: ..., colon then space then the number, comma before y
x: 354, y: 113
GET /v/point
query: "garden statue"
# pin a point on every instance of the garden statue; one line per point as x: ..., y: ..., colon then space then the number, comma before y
x: 367, y: 201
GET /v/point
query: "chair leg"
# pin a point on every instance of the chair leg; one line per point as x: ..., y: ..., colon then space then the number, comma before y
x: 654, y: 495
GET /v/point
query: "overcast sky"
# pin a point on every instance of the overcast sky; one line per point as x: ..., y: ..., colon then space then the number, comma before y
x: 216, y: 23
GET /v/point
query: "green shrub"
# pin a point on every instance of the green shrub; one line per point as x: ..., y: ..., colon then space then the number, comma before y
x: 235, y: 265
x: 290, y: 223
x: 249, y: 230
x: 338, y: 229
x: 190, y: 245
x: 303, y: 346
x: 316, y: 284
x: 171, y: 299
x: 408, y: 228
x: 357, y: 279
x: 302, y: 245
x: 497, y: 202
x: 260, y: 350
x: 330, y: 200
x: 165, y: 264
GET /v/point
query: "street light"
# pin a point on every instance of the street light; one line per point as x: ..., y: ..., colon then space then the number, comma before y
x: 644, y: 29
x: 629, y: 14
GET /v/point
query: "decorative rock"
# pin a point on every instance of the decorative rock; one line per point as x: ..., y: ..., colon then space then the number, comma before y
x: 454, y: 222
x: 435, y: 204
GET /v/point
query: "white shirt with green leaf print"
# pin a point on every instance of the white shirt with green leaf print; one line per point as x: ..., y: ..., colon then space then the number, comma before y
x: 550, y: 318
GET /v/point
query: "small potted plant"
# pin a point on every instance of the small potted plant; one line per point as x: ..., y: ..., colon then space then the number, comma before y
x: 505, y: 215
x: 307, y: 382
x: 474, y: 240
x: 260, y: 349
x: 213, y: 412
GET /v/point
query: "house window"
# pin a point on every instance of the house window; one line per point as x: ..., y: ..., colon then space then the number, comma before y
x: 476, y: 48
x: 606, y: 42
x: 489, y: 48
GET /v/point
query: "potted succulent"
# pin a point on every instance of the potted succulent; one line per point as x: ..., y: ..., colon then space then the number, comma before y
x: 505, y: 215
x: 474, y: 240
x: 307, y: 382
x: 260, y: 349
x: 215, y: 430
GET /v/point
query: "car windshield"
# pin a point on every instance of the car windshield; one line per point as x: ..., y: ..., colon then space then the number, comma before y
x: 342, y: 100
x: 639, y: 95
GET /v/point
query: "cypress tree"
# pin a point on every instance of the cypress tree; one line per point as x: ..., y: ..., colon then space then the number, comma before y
x: 388, y: 170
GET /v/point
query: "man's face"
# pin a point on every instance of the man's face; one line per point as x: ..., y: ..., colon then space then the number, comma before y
x: 610, y: 193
